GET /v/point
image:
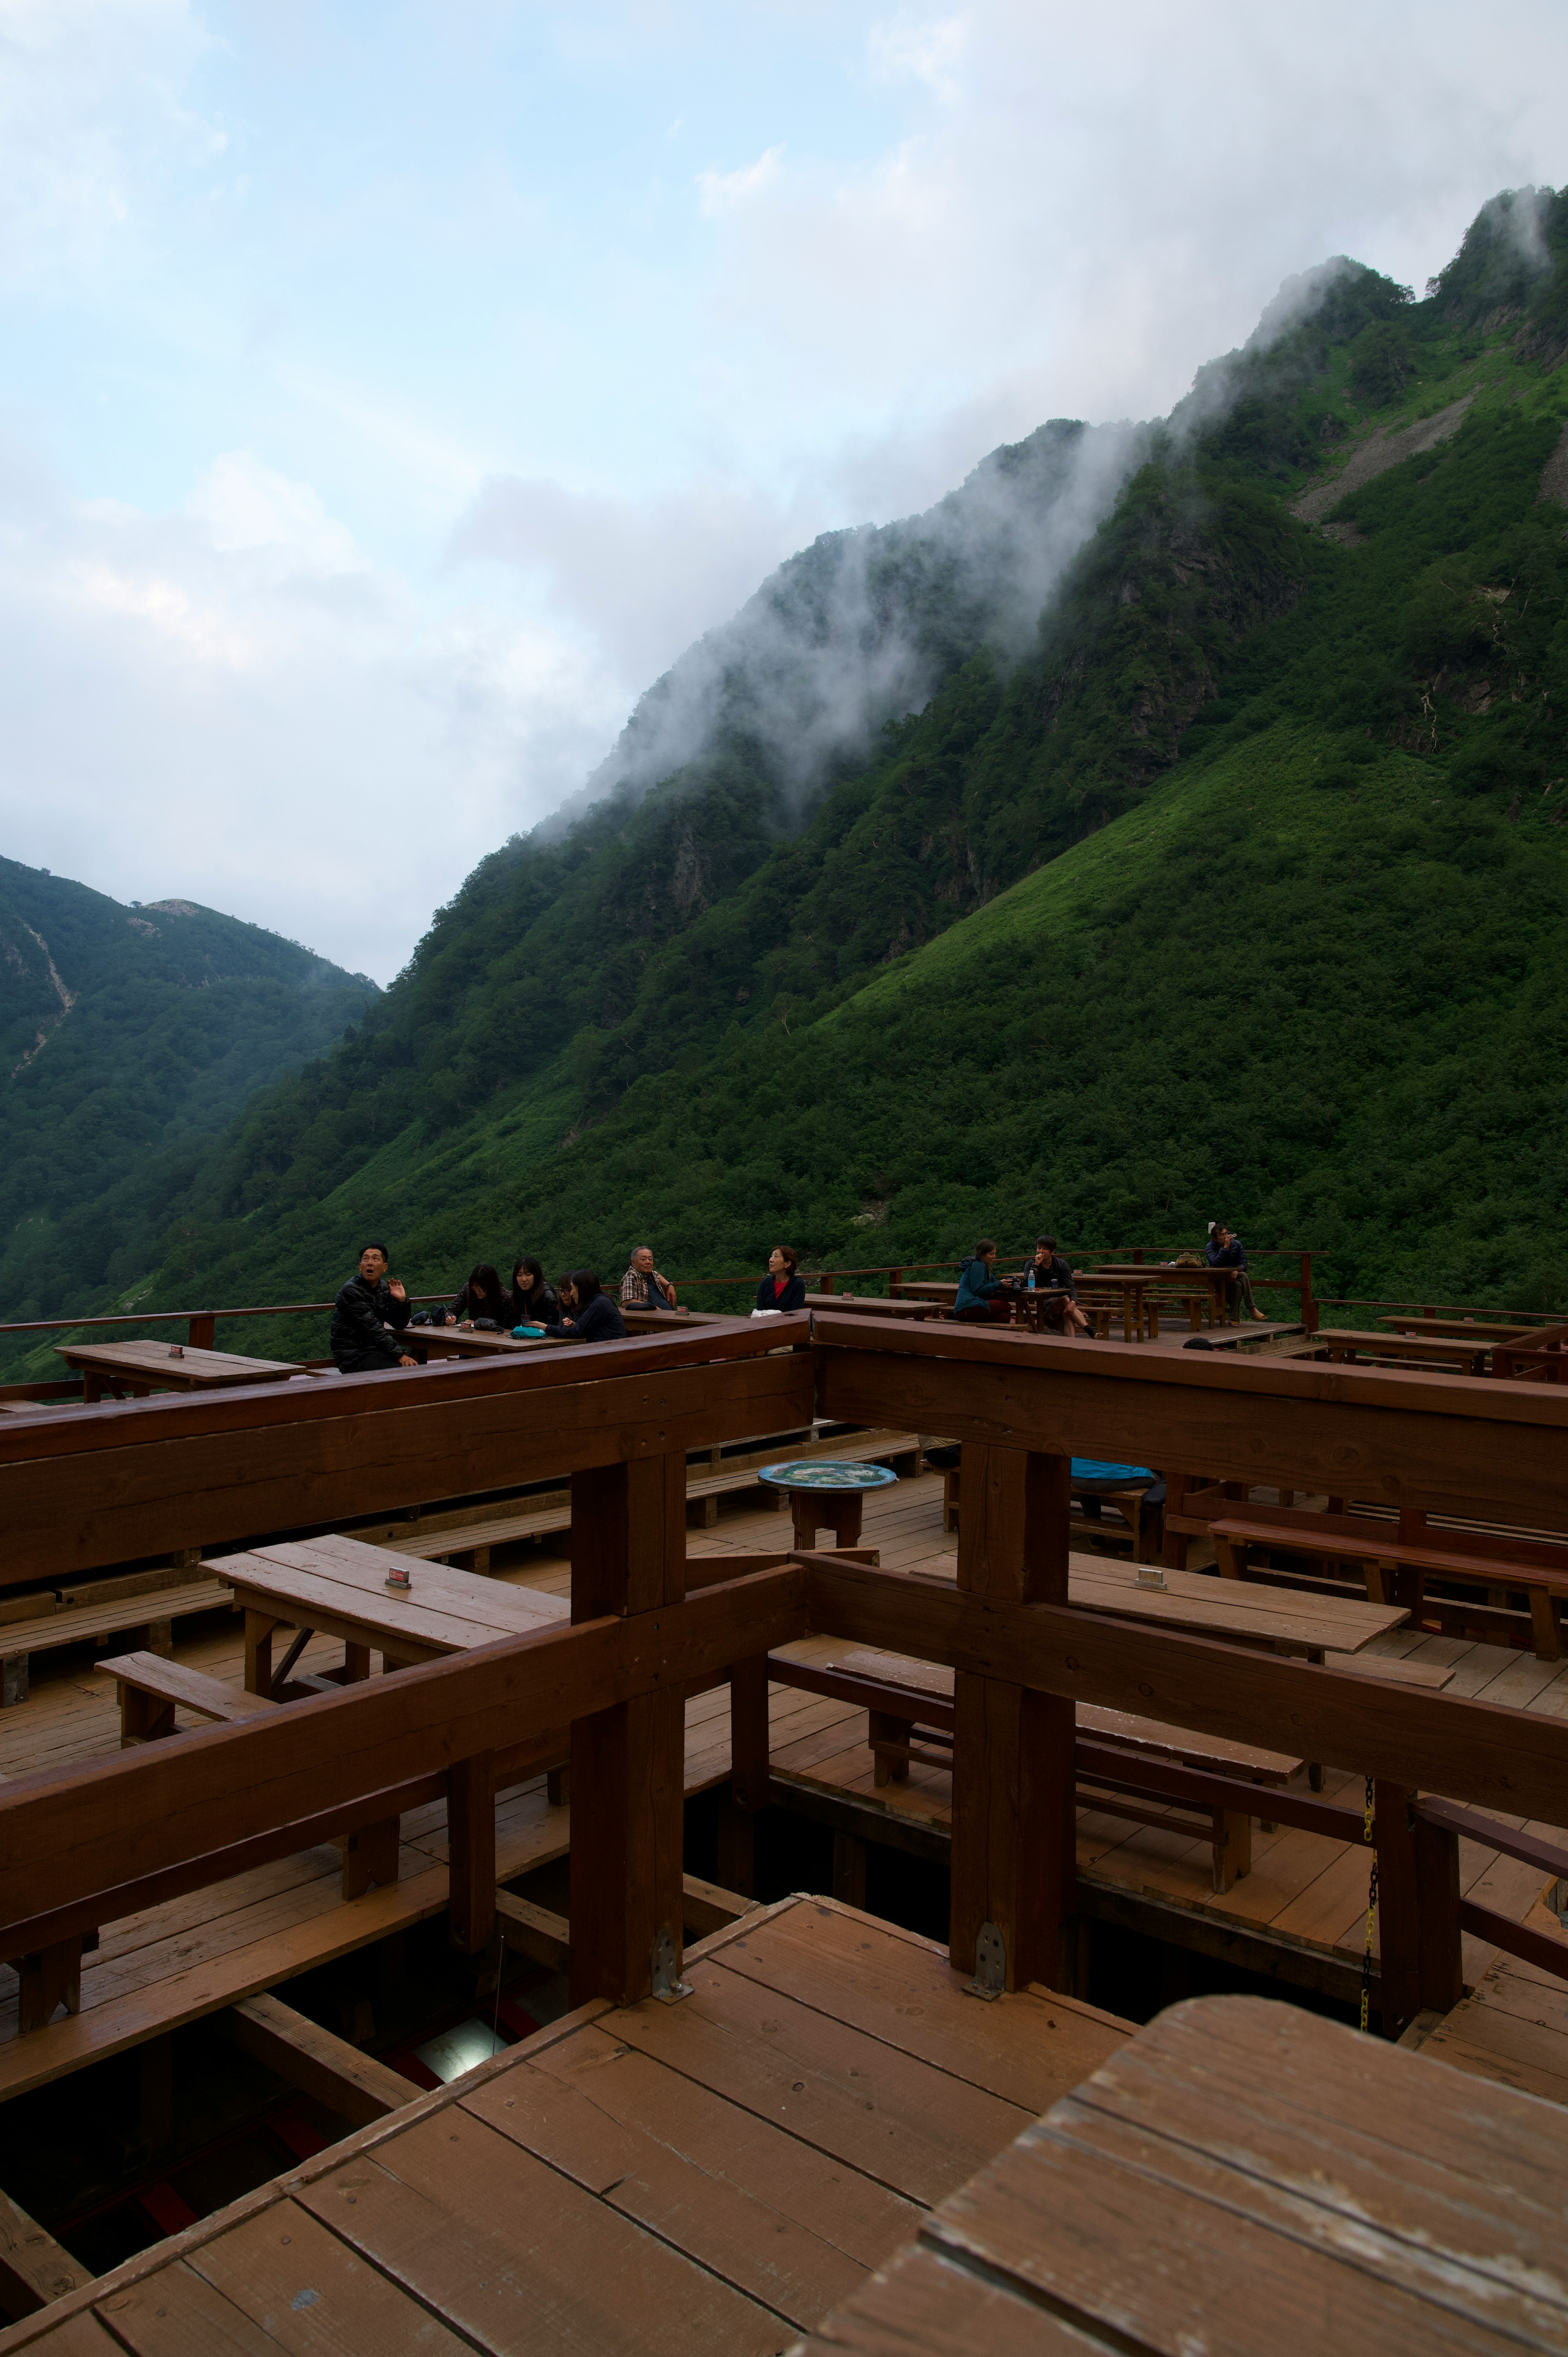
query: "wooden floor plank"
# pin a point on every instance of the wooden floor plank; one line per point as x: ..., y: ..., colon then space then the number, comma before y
x: 727, y: 2190
x: 902, y: 2122
x: 924, y: 2305
x: 1029, y: 2049
x: 524, y: 2262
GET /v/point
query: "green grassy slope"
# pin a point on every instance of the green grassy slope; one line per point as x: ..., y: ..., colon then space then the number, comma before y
x: 1240, y: 891
x: 128, y: 1038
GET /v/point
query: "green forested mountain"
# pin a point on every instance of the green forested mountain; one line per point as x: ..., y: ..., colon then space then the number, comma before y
x: 1233, y: 884
x: 129, y: 1040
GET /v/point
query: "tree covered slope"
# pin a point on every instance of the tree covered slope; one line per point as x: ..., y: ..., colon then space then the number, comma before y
x: 129, y: 1040
x: 1236, y: 886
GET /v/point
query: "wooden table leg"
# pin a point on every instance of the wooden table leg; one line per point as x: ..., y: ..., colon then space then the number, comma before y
x: 356, y: 1663
x: 259, y: 1626
x: 803, y: 1505
x: 143, y: 1717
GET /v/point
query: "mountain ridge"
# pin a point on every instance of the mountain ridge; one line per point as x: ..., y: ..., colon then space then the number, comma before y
x: 522, y: 1084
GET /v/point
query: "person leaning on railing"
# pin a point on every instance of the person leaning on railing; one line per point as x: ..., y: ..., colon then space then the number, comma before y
x: 368, y: 1316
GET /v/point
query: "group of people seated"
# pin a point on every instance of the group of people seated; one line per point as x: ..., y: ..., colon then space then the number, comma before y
x: 371, y: 1315
x: 984, y: 1298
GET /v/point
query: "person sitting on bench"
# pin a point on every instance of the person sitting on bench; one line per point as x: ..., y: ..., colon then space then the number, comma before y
x: 1049, y: 1274
x: 1225, y: 1250
x: 368, y: 1316
x: 980, y: 1296
x: 589, y: 1313
x: 482, y: 1303
x: 534, y: 1302
x: 643, y: 1287
x: 782, y: 1287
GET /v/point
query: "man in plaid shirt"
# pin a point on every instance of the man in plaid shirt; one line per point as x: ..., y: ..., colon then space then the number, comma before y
x: 643, y: 1287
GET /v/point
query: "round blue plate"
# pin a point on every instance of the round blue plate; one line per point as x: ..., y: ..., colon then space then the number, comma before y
x: 827, y: 1473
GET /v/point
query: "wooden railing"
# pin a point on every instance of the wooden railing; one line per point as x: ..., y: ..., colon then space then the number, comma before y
x: 80, y: 1846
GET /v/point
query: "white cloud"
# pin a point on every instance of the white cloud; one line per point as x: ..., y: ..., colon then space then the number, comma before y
x: 924, y: 49
x: 727, y: 192
x: 232, y: 704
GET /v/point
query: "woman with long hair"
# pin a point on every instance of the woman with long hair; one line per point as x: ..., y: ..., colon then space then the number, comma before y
x: 482, y: 1303
x: 534, y: 1301
x: 588, y: 1315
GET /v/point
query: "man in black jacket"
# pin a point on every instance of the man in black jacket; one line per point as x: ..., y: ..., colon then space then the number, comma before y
x: 368, y: 1316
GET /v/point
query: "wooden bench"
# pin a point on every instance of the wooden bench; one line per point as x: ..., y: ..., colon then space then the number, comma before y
x: 48, y: 1626
x: 472, y: 1541
x: 910, y: 1705
x: 151, y: 1688
x: 1479, y: 1559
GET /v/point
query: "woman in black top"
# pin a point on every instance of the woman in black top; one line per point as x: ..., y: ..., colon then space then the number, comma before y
x: 481, y: 1303
x: 533, y: 1302
x: 782, y: 1287
x: 590, y: 1315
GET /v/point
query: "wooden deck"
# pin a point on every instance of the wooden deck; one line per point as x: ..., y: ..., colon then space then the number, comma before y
x: 1305, y: 1895
x: 706, y: 2179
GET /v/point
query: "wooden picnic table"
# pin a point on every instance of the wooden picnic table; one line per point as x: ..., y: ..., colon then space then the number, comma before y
x: 451, y: 1343
x: 337, y: 1586
x: 1346, y: 1343
x: 1192, y: 1282
x: 1242, y: 2177
x: 1282, y: 1620
x: 138, y: 1368
x: 1460, y: 1328
x: 875, y: 1304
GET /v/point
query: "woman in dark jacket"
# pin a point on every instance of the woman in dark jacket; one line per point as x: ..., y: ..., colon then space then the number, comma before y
x: 591, y: 1316
x: 981, y: 1295
x: 533, y: 1302
x: 481, y: 1303
x: 782, y: 1287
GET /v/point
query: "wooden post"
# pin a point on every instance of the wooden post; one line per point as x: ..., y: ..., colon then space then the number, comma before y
x: 51, y: 1977
x: 202, y: 1331
x: 748, y: 1748
x: 1013, y: 1865
x: 1309, y: 1305
x: 1399, y: 1907
x: 1440, y: 1948
x: 471, y: 1844
x: 628, y: 1556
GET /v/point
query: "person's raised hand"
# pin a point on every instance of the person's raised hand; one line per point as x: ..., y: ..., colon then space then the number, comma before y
x: 394, y: 1287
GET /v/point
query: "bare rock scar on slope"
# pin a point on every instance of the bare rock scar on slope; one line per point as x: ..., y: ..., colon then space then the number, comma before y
x: 1374, y: 456
x: 50, y: 1022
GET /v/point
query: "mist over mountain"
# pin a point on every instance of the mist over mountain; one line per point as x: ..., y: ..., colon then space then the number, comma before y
x: 1167, y: 824
x: 858, y: 628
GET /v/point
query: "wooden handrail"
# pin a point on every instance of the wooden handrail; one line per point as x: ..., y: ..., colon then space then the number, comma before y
x: 70, y: 1836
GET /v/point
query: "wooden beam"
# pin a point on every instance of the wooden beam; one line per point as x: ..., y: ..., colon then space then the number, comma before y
x: 471, y: 1852
x: 1443, y: 1441
x: 354, y: 2085
x: 628, y: 1556
x: 71, y: 1834
x: 707, y: 1907
x: 534, y: 1932
x: 33, y: 2270
x: 195, y: 1473
x: 1515, y: 1761
x: 1014, y: 1870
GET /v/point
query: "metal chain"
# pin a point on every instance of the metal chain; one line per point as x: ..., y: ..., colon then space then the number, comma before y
x: 1372, y: 1911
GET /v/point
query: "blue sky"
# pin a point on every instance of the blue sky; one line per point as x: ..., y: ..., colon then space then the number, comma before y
x: 388, y: 394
